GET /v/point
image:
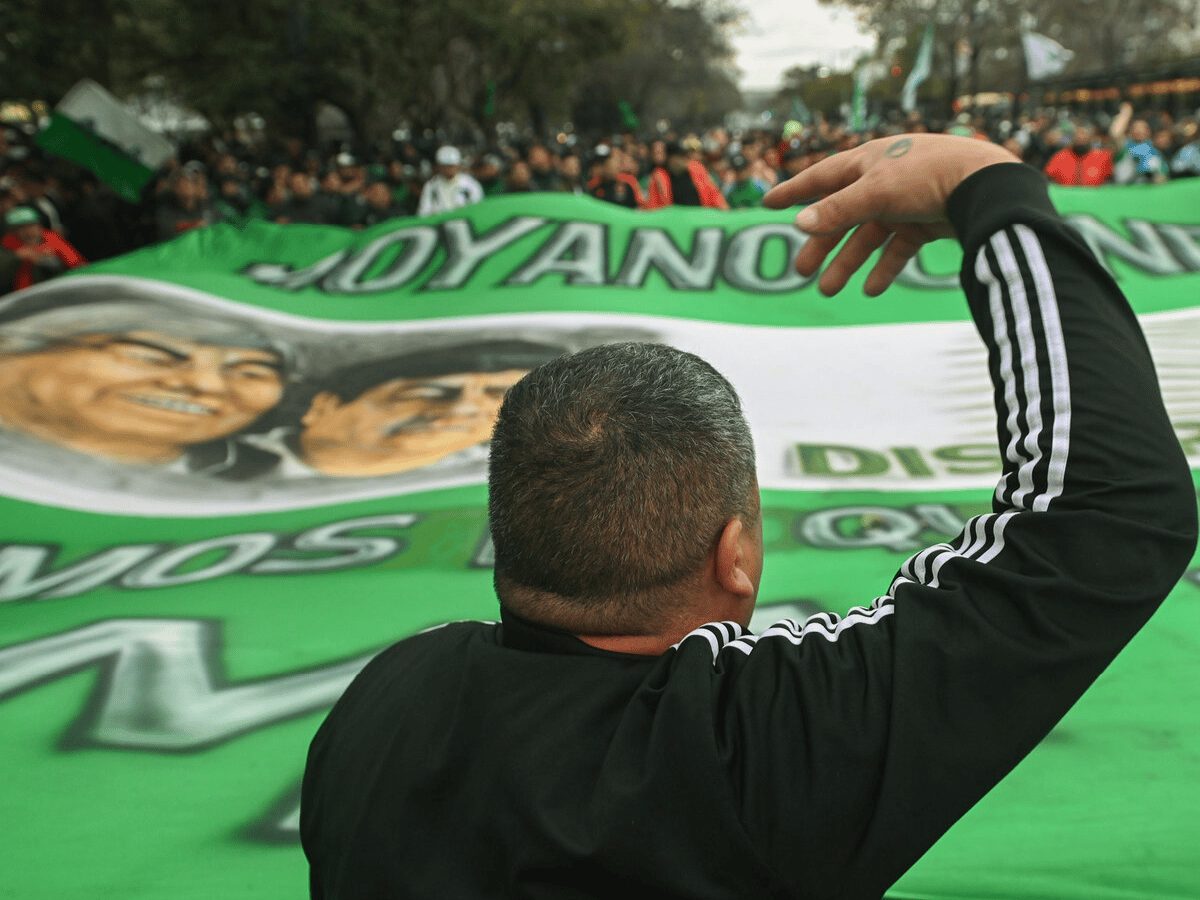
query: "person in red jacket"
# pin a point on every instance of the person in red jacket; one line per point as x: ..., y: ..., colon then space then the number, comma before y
x: 683, y: 182
x: 1081, y: 163
x: 42, y: 253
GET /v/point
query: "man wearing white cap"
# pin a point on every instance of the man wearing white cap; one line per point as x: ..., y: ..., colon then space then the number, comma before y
x: 450, y: 187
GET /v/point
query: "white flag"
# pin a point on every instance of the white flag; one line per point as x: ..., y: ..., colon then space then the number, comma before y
x: 920, y: 71
x: 1044, y: 56
x: 867, y: 75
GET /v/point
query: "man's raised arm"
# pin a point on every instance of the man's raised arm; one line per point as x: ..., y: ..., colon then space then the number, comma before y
x: 982, y: 644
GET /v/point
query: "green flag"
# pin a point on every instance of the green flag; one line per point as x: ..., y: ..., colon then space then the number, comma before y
x: 190, y: 578
x: 858, y: 104
x: 489, y: 100
x: 865, y: 76
x: 92, y: 128
x: 629, y: 119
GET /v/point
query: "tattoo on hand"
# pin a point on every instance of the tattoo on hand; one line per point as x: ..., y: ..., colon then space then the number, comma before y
x: 899, y: 148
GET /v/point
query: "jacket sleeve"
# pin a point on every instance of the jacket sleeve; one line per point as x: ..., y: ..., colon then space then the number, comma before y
x: 854, y: 742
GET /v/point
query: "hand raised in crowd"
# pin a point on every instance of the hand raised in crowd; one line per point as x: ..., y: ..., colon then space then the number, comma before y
x: 890, y: 193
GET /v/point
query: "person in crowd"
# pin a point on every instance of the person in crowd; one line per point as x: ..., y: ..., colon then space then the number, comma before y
x: 379, y: 205
x: 234, y: 203
x: 1186, y: 161
x: 1082, y: 162
x: 450, y: 188
x: 336, y: 208
x: 400, y: 178
x: 818, y: 149
x: 11, y: 194
x: 610, y: 184
x: 743, y: 190
x: 281, y: 174
x: 655, y: 159
x: 761, y: 170
x: 631, y: 157
x: 1163, y: 139
x: 1033, y: 132
x: 620, y: 732
x: 41, y: 192
x: 713, y: 147
x: 40, y: 253
x: 226, y: 165
x: 543, y: 175
x: 519, y: 180
x: 683, y: 182
x: 793, y: 160
x: 185, y: 206
x: 570, y: 169
x: 1137, y: 160
x: 352, y: 172
x: 274, y: 194
x: 302, y: 206
x: 489, y: 172
x: 91, y: 216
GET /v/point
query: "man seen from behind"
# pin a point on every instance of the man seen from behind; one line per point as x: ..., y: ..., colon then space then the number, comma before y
x: 621, y: 733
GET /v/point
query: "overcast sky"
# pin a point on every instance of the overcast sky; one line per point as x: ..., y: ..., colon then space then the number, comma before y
x: 785, y: 33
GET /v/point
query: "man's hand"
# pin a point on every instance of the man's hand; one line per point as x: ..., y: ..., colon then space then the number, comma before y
x: 889, y: 191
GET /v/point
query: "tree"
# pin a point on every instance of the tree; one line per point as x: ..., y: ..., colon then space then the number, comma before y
x: 678, y: 68
x: 821, y: 90
x: 978, y: 41
x: 432, y: 62
x: 46, y: 47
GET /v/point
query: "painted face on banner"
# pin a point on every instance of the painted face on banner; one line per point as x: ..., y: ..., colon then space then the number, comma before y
x: 404, y: 423
x: 136, y: 397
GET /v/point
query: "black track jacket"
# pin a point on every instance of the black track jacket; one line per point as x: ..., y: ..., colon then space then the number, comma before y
x: 818, y: 759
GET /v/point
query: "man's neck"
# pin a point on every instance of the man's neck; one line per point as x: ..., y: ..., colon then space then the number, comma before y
x: 637, y: 644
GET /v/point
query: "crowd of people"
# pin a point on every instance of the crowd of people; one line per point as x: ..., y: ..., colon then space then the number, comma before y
x: 223, y: 178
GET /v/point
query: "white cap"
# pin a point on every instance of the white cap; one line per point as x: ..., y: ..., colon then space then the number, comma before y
x: 449, y: 156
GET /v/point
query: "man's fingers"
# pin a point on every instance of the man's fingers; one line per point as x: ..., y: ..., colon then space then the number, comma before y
x: 865, y: 240
x: 895, y: 257
x: 814, y: 251
x: 826, y: 177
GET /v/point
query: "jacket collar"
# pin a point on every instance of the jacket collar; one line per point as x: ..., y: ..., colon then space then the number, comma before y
x: 522, y: 634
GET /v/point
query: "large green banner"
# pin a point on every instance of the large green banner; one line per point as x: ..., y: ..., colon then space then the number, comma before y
x: 235, y: 466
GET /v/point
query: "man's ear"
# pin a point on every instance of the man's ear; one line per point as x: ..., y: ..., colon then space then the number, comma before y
x: 732, y: 560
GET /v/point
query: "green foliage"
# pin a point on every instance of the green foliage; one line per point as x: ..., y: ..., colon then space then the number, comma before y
x: 429, y: 62
x: 678, y: 67
x: 46, y: 47
x: 984, y: 36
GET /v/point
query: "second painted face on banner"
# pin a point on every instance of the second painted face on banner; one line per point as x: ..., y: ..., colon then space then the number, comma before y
x: 403, y: 423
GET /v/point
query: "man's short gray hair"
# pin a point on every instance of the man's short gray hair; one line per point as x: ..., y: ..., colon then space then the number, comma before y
x: 613, y: 473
